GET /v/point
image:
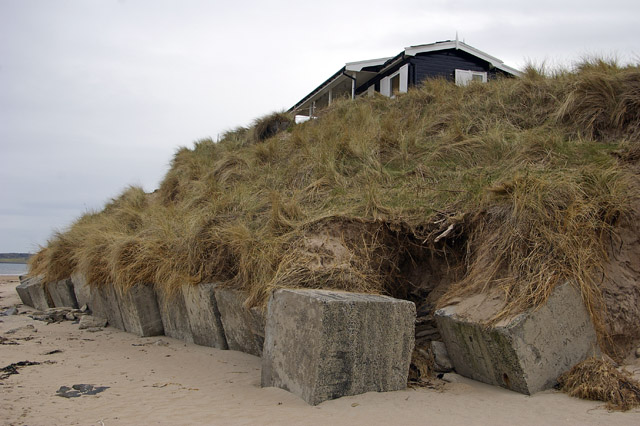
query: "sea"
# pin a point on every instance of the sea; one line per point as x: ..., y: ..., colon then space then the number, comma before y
x: 13, y: 268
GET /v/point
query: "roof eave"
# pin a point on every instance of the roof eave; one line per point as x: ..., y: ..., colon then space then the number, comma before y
x: 318, y: 89
x: 357, y: 66
x: 459, y: 45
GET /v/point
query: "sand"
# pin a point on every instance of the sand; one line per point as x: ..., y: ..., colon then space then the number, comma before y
x: 161, y: 380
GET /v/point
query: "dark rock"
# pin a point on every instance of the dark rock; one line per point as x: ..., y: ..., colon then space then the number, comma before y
x: 13, y: 368
x: 442, y: 362
x: 28, y: 327
x: 90, y: 321
x: 5, y: 341
x: 11, y: 311
x: 79, y: 390
x: 67, y: 392
x: 57, y: 315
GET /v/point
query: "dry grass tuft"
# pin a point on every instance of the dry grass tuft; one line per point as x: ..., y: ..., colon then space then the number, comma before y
x: 269, y: 126
x: 421, y: 370
x: 599, y: 380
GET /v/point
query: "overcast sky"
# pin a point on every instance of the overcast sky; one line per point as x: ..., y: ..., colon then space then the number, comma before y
x: 96, y: 95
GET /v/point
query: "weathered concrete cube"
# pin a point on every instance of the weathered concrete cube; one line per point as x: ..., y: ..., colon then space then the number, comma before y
x: 525, y: 353
x: 81, y: 289
x: 322, y: 345
x: 140, y: 312
x: 40, y: 298
x: 62, y: 294
x: 204, y: 316
x: 175, y: 319
x: 23, y: 291
x: 105, y: 304
x: 243, y: 327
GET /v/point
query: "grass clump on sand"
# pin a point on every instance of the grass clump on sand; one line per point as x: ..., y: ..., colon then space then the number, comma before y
x: 517, y: 184
x: 599, y: 380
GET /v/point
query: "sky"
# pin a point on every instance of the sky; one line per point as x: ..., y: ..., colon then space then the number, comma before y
x: 96, y: 95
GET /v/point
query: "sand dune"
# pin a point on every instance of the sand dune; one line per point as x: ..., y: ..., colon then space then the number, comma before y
x: 165, y: 381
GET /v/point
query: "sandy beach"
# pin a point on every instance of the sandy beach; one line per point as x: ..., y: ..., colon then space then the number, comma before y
x: 164, y: 381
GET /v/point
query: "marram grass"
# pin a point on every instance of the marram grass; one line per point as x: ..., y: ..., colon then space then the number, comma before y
x: 513, y: 183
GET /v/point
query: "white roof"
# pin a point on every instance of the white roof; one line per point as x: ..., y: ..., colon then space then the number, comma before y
x: 459, y: 45
x: 358, y: 65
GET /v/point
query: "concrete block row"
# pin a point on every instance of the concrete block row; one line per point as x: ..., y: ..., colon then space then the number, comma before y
x: 317, y: 344
x: 41, y: 296
x: 324, y: 344
x: 190, y: 315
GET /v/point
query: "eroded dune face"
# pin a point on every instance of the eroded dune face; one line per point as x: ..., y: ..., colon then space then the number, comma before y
x: 619, y: 282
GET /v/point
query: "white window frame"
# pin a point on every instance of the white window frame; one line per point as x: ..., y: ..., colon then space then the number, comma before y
x: 464, y: 77
x: 385, y: 83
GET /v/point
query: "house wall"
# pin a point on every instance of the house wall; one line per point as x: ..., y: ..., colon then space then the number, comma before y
x: 443, y: 64
x: 439, y: 64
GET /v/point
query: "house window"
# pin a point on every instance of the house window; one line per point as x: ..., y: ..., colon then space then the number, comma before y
x: 395, y: 85
x: 464, y: 77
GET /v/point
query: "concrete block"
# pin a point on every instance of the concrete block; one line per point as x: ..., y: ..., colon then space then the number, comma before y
x: 204, y: 316
x: 322, y: 345
x: 40, y: 298
x: 62, y: 294
x: 525, y: 353
x: 175, y: 319
x: 243, y: 328
x: 23, y: 291
x: 81, y: 289
x: 105, y: 304
x: 140, y: 312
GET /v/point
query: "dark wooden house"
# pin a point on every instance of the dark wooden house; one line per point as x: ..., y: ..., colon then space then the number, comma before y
x: 453, y: 60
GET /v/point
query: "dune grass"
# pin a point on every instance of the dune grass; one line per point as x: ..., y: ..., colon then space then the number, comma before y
x: 599, y: 380
x: 518, y: 183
